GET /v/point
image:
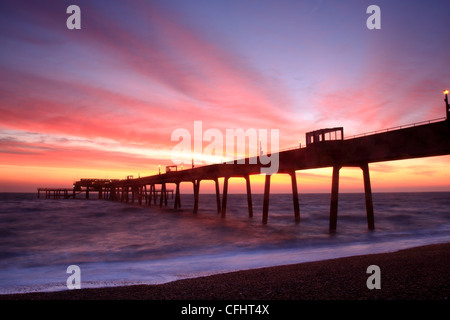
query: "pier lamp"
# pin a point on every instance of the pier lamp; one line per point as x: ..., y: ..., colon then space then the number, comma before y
x: 159, y: 169
x: 447, y: 107
x: 299, y: 143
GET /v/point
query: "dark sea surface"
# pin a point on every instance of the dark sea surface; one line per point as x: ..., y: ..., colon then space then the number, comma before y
x: 115, y: 243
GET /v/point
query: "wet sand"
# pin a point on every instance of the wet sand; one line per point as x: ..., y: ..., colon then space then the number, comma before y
x: 421, y: 273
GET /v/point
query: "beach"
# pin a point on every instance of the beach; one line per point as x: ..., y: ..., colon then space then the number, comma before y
x: 192, y: 155
x: 420, y: 273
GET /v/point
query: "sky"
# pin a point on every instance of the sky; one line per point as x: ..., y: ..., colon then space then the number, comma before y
x: 103, y: 101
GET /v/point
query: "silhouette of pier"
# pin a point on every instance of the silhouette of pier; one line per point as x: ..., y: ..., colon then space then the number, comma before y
x: 56, y: 193
x: 324, y: 148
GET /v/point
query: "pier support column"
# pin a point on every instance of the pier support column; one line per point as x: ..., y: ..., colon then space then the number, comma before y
x: 249, y: 196
x: 145, y: 195
x: 140, y: 192
x: 295, y: 197
x: 151, y: 194
x: 196, y: 193
x: 112, y: 196
x: 225, y: 195
x: 87, y: 193
x: 266, y: 199
x: 216, y: 181
x: 334, y: 198
x: 163, y: 195
x: 177, y: 196
x: 368, y: 194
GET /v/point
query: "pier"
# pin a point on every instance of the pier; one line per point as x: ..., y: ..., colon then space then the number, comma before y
x: 324, y: 148
x: 56, y: 193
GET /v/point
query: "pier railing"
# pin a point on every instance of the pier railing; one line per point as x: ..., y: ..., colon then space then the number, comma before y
x: 411, y: 125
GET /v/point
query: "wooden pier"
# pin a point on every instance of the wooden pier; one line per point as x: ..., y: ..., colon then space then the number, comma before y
x: 324, y: 148
x: 56, y: 193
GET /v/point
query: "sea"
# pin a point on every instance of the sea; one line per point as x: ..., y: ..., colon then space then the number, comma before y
x: 117, y: 244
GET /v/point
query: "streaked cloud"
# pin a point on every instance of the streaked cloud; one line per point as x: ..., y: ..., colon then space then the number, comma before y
x: 112, y: 93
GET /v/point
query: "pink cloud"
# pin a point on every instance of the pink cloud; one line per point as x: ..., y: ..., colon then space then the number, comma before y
x: 137, y: 72
x: 383, y: 95
x: 206, y: 83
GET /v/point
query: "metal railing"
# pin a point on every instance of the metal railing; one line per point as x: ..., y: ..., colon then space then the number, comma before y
x: 345, y: 138
x: 395, y: 128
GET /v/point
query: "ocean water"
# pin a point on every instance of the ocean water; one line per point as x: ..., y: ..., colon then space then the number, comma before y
x: 116, y: 244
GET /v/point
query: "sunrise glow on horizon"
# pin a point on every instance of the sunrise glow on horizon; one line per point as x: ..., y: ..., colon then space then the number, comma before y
x: 104, y: 100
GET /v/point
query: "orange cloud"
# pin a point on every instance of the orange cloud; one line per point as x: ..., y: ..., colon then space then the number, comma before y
x: 108, y: 98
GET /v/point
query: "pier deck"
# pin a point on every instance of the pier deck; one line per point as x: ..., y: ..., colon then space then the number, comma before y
x: 427, y: 139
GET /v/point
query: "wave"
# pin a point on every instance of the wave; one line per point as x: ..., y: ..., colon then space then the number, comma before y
x: 116, y: 242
